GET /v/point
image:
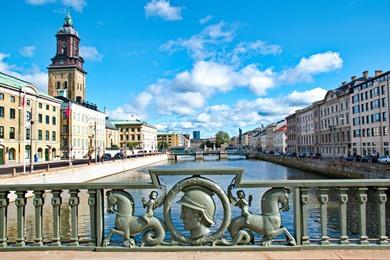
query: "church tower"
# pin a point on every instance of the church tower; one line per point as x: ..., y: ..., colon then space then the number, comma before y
x: 66, y: 73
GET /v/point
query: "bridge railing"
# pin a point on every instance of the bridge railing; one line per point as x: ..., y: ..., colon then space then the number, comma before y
x: 359, y: 203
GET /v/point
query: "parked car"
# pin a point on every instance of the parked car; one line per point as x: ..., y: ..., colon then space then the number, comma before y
x: 384, y: 159
x: 366, y: 159
x: 107, y: 157
x: 119, y: 156
x: 354, y: 158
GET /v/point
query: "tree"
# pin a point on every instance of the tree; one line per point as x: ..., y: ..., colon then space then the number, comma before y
x: 221, y: 138
x: 132, y: 145
x: 162, y: 146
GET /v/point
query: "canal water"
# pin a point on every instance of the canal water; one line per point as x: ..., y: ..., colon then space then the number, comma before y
x: 254, y: 170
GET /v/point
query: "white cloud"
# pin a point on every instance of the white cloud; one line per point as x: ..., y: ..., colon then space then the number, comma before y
x: 309, y: 67
x: 306, y: 97
x: 216, y: 43
x: 90, y: 53
x: 77, y: 5
x: 163, y: 9
x: 208, y: 44
x: 205, y: 19
x: 34, y: 74
x: 27, y: 51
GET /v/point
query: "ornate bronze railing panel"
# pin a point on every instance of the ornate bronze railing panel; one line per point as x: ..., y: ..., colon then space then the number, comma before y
x: 195, y: 192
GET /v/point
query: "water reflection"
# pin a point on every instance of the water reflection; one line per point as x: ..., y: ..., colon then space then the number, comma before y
x: 254, y: 171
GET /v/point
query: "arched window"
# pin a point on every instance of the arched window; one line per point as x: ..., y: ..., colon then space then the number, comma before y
x: 58, y: 85
x: 65, y: 85
x: 11, y: 154
x: 27, y: 150
x: 53, y: 153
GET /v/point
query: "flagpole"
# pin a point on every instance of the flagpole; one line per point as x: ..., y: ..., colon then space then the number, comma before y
x: 31, y: 141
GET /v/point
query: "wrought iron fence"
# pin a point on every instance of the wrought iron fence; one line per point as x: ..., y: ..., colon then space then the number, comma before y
x: 196, y: 192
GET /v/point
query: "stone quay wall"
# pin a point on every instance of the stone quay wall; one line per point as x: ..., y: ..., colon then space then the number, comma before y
x: 331, y: 168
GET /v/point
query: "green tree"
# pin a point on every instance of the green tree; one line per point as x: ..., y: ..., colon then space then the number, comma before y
x: 132, y: 145
x: 162, y: 146
x: 221, y: 138
x: 209, y: 144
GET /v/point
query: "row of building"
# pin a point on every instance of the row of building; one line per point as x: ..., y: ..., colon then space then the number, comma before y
x: 351, y: 120
x: 35, y: 126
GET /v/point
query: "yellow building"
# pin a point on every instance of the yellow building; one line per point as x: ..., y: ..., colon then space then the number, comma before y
x: 32, y: 129
x: 135, y: 134
x: 168, y: 140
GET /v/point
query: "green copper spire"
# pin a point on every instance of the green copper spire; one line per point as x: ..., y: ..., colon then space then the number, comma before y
x: 68, y: 19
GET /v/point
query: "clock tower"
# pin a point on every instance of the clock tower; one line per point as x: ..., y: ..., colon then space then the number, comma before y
x: 66, y: 73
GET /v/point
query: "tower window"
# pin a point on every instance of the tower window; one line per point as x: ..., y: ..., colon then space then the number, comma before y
x: 58, y: 85
x: 65, y: 84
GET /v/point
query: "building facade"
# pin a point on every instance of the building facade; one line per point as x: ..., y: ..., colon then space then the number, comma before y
x: 292, y: 133
x: 369, y: 111
x: 112, y: 136
x: 280, y: 137
x: 135, y: 134
x: 168, y: 140
x: 29, y: 123
x: 83, y: 130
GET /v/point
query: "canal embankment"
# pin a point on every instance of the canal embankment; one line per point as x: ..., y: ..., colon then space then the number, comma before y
x: 330, y: 168
x: 83, y: 173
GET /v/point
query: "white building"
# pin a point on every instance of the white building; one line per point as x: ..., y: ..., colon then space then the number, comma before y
x: 86, y: 127
x: 280, y: 137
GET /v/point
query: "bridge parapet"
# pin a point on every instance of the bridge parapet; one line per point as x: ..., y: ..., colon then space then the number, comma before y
x: 199, y: 193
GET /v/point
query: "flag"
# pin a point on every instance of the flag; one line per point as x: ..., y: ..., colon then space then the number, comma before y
x: 23, y: 103
x: 67, y: 111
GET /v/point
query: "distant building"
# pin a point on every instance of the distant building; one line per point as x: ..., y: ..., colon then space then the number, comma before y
x: 29, y: 122
x: 83, y: 130
x: 170, y: 139
x: 112, y: 135
x: 280, y: 137
x: 196, y: 135
x: 292, y: 133
x: 135, y: 134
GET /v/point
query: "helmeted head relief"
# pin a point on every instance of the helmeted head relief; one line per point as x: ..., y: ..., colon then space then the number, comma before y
x: 198, y: 198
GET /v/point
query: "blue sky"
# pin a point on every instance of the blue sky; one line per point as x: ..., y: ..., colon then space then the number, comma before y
x: 202, y: 65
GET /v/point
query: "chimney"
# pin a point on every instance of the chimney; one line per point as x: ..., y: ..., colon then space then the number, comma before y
x: 365, y: 74
x: 353, y: 78
x: 378, y: 73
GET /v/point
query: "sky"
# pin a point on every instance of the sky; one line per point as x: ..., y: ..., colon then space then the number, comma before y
x: 202, y: 65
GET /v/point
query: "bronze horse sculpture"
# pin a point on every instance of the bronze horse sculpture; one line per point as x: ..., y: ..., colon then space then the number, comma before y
x: 127, y: 225
x: 268, y: 223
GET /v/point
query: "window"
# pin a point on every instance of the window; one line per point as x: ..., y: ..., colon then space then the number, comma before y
x: 40, y: 105
x: 40, y: 135
x: 54, y: 120
x: 12, y: 113
x: 356, y: 109
x: 383, y: 102
x: 54, y: 109
x: 1, y: 111
x: 12, y: 133
x: 47, y: 107
x: 65, y: 85
x: 28, y: 102
x: 47, y: 121
x: 58, y: 85
x: 1, y: 96
x: 28, y: 134
x: 377, y: 117
x: 12, y: 99
x: 53, y: 135
x: 47, y: 136
x: 11, y: 154
x: 355, y: 99
x: 40, y: 118
x: 1, y: 132
x: 385, y: 130
x: 384, y: 116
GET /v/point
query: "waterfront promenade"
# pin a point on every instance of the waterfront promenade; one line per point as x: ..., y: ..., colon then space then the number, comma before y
x: 196, y: 255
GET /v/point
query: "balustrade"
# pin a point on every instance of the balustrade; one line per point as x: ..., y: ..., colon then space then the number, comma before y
x: 310, y: 199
